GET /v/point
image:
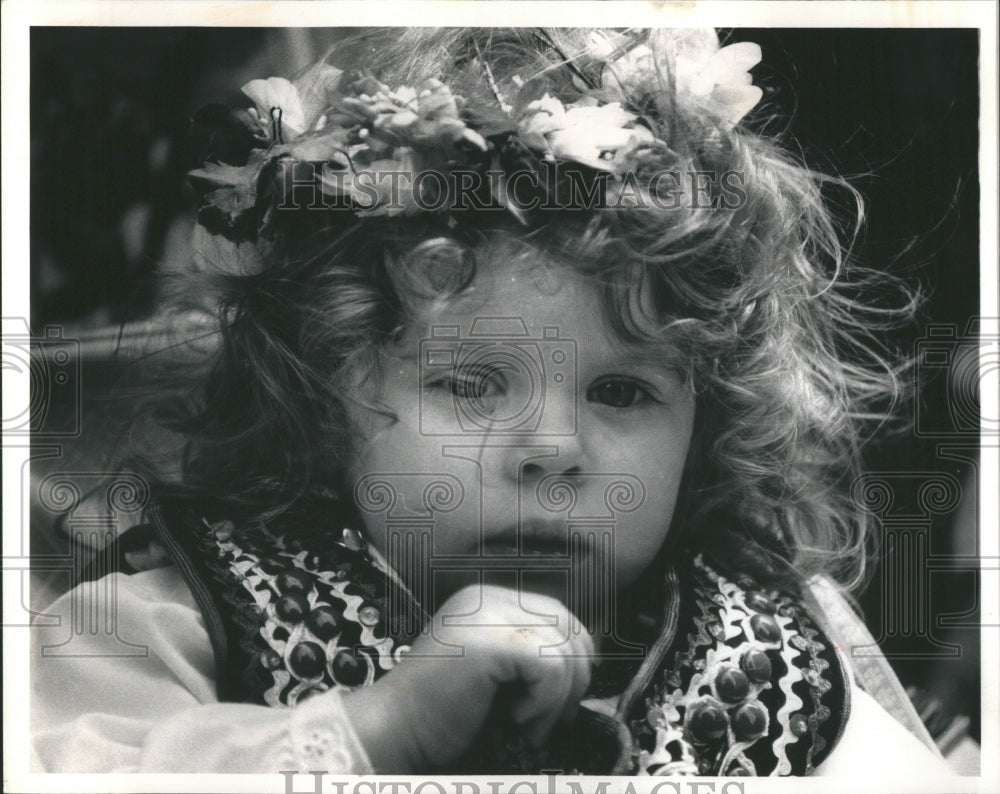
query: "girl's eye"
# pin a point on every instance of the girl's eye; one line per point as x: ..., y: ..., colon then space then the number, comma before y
x: 618, y: 393
x: 478, y: 385
x: 468, y: 388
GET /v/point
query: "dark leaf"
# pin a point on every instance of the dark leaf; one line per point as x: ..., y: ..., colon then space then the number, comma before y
x: 222, y: 134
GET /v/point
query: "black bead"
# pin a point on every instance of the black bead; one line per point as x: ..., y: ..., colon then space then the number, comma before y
x: 292, y: 607
x: 293, y: 582
x: 749, y: 722
x: 799, y: 724
x: 732, y: 685
x: 369, y: 615
x: 348, y: 669
x: 757, y: 666
x: 307, y: 659
x: 708, y: 723
x: 324, y: 622
x: 352, y: 539
x: 761, y: 603
x: 765, y: 628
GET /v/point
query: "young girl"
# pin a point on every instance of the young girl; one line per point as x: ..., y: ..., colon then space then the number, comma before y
x: 538, y: 398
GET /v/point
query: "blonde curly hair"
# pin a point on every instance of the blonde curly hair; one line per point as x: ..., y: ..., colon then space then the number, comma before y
x: 779, y: 330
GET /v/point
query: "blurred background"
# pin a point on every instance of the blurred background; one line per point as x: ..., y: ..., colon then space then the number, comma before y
x: 895, y: 111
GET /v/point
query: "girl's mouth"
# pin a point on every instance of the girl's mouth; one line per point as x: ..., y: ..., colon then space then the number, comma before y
x: 527, y: 547
x: 549, y: 542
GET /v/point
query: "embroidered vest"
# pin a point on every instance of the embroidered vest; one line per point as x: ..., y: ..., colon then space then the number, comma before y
x: 737, y: 679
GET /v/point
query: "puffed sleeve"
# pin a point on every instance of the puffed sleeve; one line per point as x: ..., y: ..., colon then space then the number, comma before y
x: 875, y: 746
x: 101, y: 703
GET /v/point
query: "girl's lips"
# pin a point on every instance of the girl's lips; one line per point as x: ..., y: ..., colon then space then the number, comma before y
x: 535, y: 540
x: 528, y: 547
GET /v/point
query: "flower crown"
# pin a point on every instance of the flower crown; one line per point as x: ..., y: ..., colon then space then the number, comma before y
x: 360, y: 131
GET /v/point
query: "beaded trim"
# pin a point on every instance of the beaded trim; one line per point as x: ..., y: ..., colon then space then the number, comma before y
x: 746, y: 696
x: 320, y: 632
x: 749, y: 687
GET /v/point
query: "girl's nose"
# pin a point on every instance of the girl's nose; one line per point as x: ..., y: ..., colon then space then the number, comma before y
x: 536, y: 469
x: 534, y: 457
x: 550, y: 442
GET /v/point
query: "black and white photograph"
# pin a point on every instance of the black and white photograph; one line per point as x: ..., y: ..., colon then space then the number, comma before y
x: 500, y: 397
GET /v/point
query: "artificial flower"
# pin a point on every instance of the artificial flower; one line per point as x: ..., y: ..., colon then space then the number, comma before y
x: 585, y: 133
x: 427, y: 119
x: 716, y: 79
x: 362, y: 130
x: 281, y: 94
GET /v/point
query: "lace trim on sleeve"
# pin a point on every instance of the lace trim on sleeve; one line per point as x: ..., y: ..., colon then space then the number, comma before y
x: 321, y: 739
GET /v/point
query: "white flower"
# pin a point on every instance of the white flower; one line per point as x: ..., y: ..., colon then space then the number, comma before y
x: 582, y: 133
x: 715, y: 78
x: 277, y: 92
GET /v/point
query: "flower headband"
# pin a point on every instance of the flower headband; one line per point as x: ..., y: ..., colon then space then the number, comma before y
x: 366, y: 137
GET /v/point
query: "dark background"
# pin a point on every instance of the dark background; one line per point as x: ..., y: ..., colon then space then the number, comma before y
x: 895, y: 111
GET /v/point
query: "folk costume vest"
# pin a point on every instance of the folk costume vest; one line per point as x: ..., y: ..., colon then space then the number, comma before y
x: 736, y: 679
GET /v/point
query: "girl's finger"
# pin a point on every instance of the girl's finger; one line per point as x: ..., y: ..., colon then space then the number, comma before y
x: 540, y: 709
x: 581, y: 658
x: 555, y: 696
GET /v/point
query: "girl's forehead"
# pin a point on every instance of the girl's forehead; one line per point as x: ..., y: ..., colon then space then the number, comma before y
x: 525, y: 297
x: 541, y: 294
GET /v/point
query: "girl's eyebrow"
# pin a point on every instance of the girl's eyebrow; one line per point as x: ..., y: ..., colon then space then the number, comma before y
x: 668, y: 359
x: 423, y: 349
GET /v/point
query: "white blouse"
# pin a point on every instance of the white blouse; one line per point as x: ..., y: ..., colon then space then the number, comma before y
x: 100, y: 711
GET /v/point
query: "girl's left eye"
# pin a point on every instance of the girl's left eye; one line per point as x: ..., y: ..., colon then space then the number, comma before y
x: 618, y: 393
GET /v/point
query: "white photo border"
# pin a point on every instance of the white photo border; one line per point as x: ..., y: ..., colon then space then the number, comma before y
x: 20, y: 15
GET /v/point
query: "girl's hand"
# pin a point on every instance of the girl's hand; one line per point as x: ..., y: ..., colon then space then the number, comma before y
x: 428, y: 710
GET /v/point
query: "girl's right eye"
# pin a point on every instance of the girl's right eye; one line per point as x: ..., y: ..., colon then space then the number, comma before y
x: 468, y: 388
x: 479, y: 384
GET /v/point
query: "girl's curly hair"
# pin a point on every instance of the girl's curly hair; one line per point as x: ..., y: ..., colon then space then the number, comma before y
x: 777, y: 328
